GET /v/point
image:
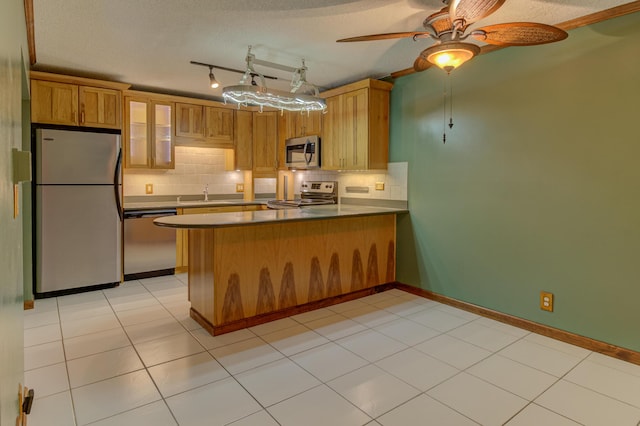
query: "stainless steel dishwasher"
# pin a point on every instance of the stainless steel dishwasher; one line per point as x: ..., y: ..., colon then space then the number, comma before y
x: 149, y: 250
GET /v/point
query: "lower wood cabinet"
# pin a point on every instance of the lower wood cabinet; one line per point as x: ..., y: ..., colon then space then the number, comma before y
x: 182, y: 235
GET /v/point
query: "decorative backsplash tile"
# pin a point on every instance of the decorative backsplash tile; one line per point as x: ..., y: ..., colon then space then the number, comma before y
x: 195, y: 168
x: 199, y: 167
x: 394, y: 180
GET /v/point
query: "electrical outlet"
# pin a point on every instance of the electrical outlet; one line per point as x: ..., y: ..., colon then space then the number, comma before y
x: 546, y: 301
x: 379, y: 186
x: 148, y: 188
x: 239, y: 187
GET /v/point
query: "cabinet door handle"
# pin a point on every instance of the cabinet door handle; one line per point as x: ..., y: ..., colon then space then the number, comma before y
x: 82, y: 117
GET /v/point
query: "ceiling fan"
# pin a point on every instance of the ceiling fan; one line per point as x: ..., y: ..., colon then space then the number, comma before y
x: 449, y: 28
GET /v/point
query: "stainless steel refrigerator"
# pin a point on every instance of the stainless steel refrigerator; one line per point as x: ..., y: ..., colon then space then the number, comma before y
x: 78, y: 210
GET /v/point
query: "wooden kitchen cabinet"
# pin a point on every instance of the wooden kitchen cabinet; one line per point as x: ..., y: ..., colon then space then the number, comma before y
x: 202, y: 125
x: 75, y: 101
x: 99, y: 107
x: 303, y: 123
x: 182, y: 235
x: 265, y: 144
x: 219, y: 125
x: 189, y: 120
x: 356, y: 126
x: 241, y: 156
x: 54, y: 103
x: 148, y: 133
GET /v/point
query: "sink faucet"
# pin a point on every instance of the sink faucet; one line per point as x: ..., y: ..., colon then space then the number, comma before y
x: 206, y: 192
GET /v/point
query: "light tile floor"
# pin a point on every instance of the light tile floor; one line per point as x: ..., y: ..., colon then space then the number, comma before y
x: 132, y: 356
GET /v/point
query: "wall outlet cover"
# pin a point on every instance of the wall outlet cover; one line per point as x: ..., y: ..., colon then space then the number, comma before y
x: 239, y: 187
x: 379, y: 186
x: 148, y: 188
x: 546, y: 301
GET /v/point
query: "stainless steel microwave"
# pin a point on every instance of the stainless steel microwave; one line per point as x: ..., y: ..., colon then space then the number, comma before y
x: 303, y: 153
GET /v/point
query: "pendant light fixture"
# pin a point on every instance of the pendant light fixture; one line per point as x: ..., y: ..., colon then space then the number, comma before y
x: 258, y: 94
x: 303, y: 96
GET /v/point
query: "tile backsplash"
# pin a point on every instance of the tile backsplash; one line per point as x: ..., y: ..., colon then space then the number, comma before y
x: 354, y: 184
x: 196, y: 167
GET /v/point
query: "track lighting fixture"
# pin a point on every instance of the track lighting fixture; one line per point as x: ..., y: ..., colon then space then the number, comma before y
x: 251, y: 92
x: 212, y: 79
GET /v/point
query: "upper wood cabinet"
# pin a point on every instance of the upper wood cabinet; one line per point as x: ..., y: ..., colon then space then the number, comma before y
x: 356, y: 126
x: 204, y: 125
x: 75, y: 101
x: 297, y: 124
x: 54, y: 103
x: 189, y: 120
x: 99, y: 107
x: 148, y: 132
x: 241, y: 156
x: 219, y: 124
x: 265, y: 142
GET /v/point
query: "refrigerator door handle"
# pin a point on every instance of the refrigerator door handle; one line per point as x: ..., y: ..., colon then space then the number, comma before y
x: 116, y: 184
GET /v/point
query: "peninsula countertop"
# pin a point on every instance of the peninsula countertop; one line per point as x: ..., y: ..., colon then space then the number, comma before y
x: 220, y: 220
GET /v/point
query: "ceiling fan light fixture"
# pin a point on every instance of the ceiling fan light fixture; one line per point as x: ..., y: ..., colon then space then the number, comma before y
x: 450, y: 55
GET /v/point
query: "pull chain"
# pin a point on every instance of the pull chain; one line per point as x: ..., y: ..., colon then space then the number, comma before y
x: 444, y: 113
x: 444, y: 108
x: 450, y: 101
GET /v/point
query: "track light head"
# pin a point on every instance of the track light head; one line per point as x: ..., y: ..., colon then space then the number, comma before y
x: 212, y: 79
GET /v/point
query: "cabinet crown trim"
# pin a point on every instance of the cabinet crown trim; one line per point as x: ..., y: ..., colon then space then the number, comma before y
x: 80, y: 81
x: 368, y: 83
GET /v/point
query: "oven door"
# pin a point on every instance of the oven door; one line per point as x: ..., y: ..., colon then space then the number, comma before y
x: 303, y: 153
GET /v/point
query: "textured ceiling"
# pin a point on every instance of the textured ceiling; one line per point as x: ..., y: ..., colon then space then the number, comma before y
x: 149, y: 43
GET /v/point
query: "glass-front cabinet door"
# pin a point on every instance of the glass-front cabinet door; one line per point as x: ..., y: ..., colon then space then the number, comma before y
x: 163, y: 148
x: 137, y: 136
x: 149, y: 134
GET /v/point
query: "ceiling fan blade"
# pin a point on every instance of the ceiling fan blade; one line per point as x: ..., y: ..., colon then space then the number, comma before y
x: 472, y: 10
x: 519, y: 34
x: 385, y: 36
x: 421, y: 64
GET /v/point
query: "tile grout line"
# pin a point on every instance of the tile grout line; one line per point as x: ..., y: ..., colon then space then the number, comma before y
x: 367, y: 327
x: 146, y: 369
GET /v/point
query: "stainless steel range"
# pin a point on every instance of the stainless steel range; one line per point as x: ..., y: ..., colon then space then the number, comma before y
x: 312, y: 193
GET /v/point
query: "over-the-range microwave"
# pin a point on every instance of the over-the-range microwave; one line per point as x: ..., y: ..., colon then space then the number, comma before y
x: 303, y: 153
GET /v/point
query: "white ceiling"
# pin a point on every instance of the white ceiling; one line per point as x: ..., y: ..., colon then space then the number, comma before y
x: 149, y: 43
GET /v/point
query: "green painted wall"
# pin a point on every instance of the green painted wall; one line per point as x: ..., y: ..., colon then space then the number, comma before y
x: 12, y: 74
x: 538, y: 185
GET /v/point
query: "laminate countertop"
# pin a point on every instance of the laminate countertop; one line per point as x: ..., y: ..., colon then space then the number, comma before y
x: 220, y: 220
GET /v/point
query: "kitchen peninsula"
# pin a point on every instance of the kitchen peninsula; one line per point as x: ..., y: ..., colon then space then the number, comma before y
x: 251, y: 267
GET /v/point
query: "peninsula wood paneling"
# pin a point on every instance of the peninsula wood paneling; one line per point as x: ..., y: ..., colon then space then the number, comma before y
x: 259, y: 269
